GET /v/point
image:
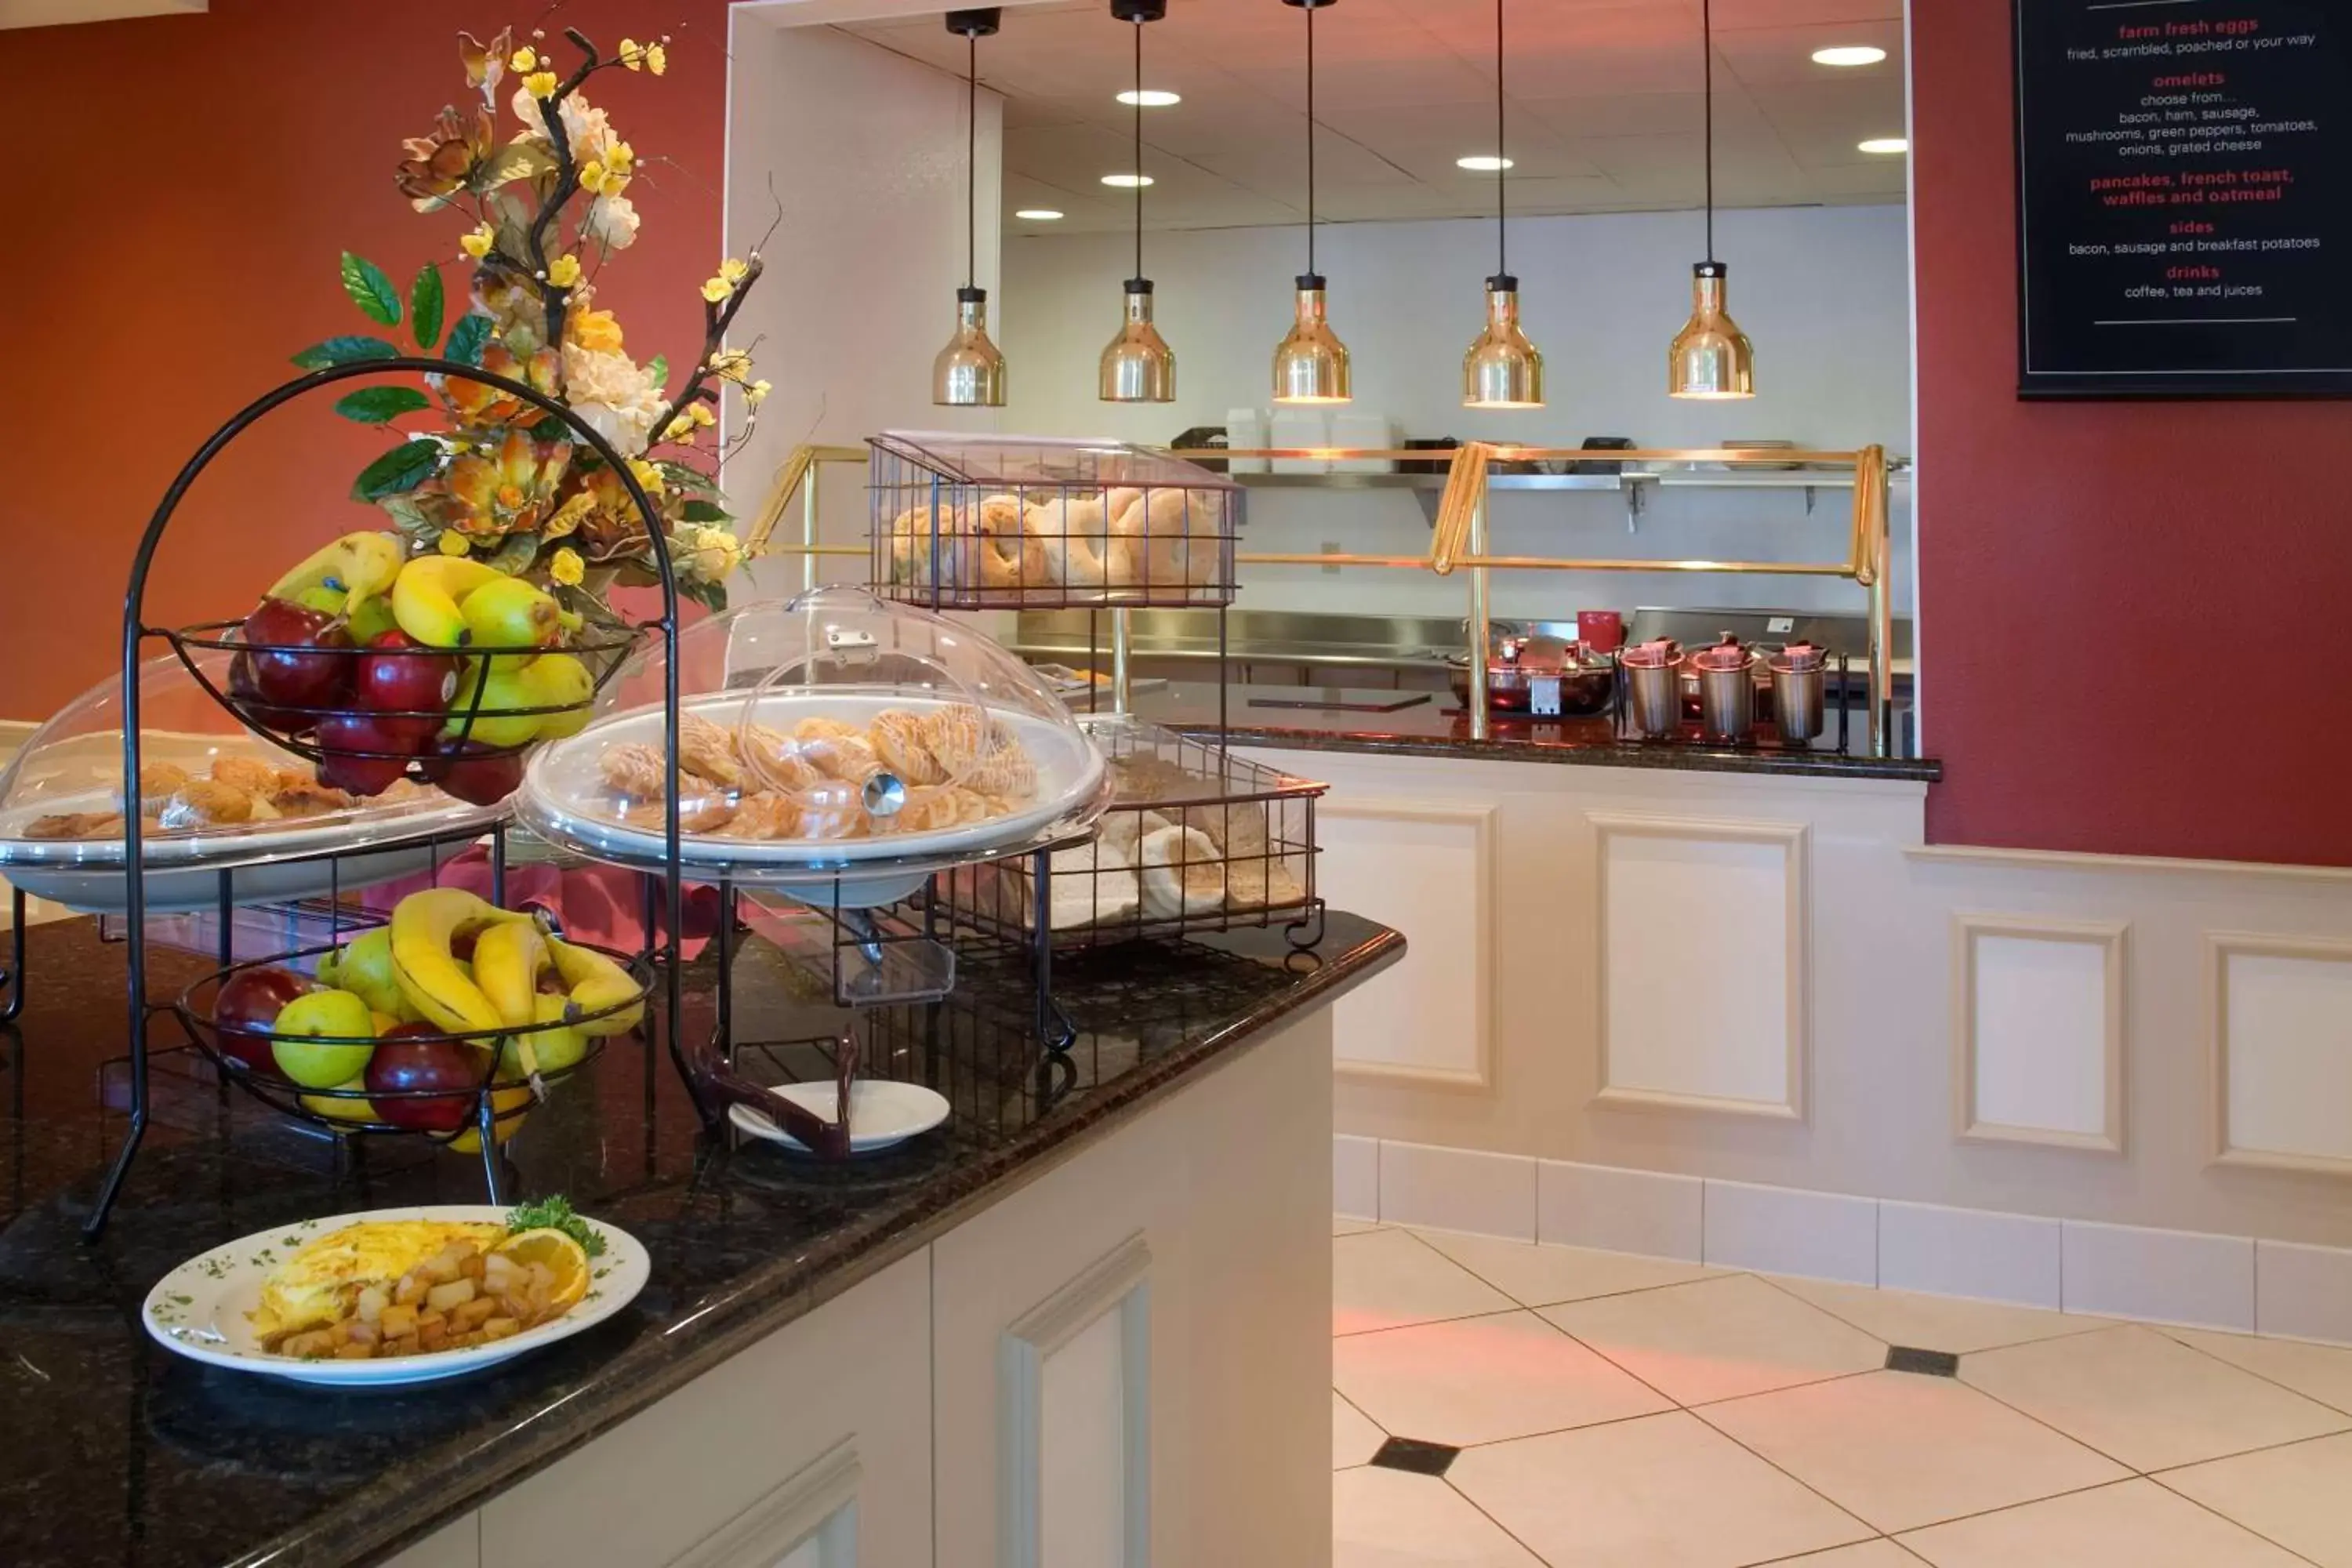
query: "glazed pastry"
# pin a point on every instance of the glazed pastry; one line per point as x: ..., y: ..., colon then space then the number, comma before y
x: 849, y: 758
x: 1182, y: 874
x: 1006, y: 772
x: 767, y: 814
x: 833, y: 809
x: 928, y: 809
x: 77, y: 825
x: 817, y: 727
x: 897, y: 738
x: 775, y: 761
x: 705, y: 749
x: 956, y: 736
x: 634, y: 770
x: 705, y: 813
x: 207, y: 803
x: 250, y: 774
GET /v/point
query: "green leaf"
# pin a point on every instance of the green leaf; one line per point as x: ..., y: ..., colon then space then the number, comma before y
x: 410, y: 518
x: 514, y: 554
x: 525, y: 159
x: 381, y: 405
x: 712, y: 597
x: 704, y: 511
x: 678, y: 475
x: 660, y: 371
x: 371, y: 290
x: 424, y: 304
x: 403, y: 468
x: 467, y: 338
x: 344, y: 350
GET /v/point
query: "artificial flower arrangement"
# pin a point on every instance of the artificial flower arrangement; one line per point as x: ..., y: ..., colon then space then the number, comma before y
x: 496, y: 480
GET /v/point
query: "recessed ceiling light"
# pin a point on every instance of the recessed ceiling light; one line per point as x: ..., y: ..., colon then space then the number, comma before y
x: 1151, y: 98
x: 1126, y: 182
x: 1483, y: 164
x: 1883, y: 144
x: 1037, y: 214
x: 1849, y: 55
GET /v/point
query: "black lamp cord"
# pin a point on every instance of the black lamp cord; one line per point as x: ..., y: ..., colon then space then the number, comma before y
x: 1139, y: 147
x: 1310, y: 141
x: 1502, y: 267
x: 971, y: 160
x: 1707, y: 77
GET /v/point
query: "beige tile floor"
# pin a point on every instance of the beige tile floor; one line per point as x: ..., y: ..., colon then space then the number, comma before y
x: 1616, y: 1412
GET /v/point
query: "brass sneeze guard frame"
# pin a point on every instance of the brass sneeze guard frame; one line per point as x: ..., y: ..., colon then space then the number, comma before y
x: 1459, y: 539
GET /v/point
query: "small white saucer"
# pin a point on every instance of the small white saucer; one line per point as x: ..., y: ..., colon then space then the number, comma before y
x: 883, y: 1112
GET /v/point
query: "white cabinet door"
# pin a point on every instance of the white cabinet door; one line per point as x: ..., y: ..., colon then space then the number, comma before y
x: 812, y: 1448
x: 1132, y: 1354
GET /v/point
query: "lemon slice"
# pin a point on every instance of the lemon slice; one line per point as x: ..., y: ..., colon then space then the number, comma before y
x: 561, y: 1255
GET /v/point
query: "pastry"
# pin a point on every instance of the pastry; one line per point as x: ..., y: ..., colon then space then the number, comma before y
x: 635, y: 770
x: 766, y: 815
x: 1150, y: 542
x: 845, y: 757
x: 705, y: 749
x: 696, y: 813
x: 1181, y: 873
x: 817, y: 727
x: 296, y: 795
x: 250, y: 774
x: 158, y: 781
x: 1006, y: 772
x: 928, y: 809
x: 956, y: 735
x: 833, y: 809
x: 897, y: 737
x: 76, y: 824
x: 207, y: 803
x: 775, y: 760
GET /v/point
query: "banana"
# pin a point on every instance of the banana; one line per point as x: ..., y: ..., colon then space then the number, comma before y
x: 594, y: 983
x: 423, y: 926
x: 507, y: 962
x: 360, y: 565
x: 425, y: 598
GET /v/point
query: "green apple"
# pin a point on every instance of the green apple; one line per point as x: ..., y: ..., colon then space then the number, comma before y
x: 561, y: 680
x: 363, y: 967
x: 323, y: 1039
x: 505, y: 688
x: 325, y: 600
x: 511, y: 613
x: 372, y: 619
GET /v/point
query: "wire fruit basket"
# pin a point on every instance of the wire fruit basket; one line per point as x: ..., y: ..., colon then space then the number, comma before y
x: 1194, y: 840
x: 972, y: 522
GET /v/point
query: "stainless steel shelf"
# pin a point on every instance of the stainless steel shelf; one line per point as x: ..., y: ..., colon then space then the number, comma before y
x: 1430, y: 481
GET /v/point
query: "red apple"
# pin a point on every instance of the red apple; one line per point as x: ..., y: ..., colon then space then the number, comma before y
x: 246, y: 697
x: 280, y: 634
x: 247, y: 1004
x: 400, y: 675
x: 472, y: 772
x: 359, y: 755
x: 407, y: 1061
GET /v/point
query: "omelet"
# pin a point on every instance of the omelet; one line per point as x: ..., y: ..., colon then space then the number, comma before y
x: 321, y: 1283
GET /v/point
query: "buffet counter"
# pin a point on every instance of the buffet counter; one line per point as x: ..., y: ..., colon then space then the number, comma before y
x: 812, y: 1334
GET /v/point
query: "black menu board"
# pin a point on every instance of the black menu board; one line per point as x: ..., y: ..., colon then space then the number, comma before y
x: 2184, y: 198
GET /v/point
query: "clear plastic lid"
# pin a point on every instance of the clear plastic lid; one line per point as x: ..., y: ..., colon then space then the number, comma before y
x: 210, y: 791
x: 832, y: 728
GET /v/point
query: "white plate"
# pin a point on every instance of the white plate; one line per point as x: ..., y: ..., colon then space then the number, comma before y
x: 563, y: 797
x: 883, y: 1112
x: 199, y: 1308
x: 186, y: 889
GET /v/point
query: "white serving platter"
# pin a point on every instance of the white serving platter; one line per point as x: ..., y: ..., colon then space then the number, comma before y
x: 201, y: 1309
x: 564, y: 799
x: 883, y: 1112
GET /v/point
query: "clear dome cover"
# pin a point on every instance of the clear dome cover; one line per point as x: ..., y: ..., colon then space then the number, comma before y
x: 830, y: 730
x: 211, y: 794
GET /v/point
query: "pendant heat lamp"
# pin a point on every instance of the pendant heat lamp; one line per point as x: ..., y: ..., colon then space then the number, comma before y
x: 1503, y: 369
x: 1310, y: 364
x: 970, y: 372
x: 1137, y: 366
x: 1711, y: 358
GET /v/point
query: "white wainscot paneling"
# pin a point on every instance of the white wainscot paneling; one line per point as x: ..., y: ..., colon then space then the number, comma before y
x: 2038, y: 1030
x: 2281, y: 1041
x: 1424, y: 868
x: 1703, y: 968
x: 1077, y: 1391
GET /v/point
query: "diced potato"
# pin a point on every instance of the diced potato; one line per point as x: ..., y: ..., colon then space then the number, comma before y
x: 441, y: 1298
x: 410, y: 1288
x: 466, y: 1341
x: 372, y: 1302
x: 360, y: 1334
x: 308, y: 1346
x: 471, y: 1269
x: 442, y: 1267
x: 501, y: 1328
x: 405, y: 1345
x: 432, y: 1336
x: 398, y: 1321
x: 469, y: 1315
x: 514, y: 1304
x: 355, y: 1351
x: 496, y: 1269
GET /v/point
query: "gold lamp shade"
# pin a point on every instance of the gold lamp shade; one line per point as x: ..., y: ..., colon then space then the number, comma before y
x: 1503, y: 369
x: 970, y: 372
x: 1310, y: 364
x: 1138, y: 365
x: 1710, y: 357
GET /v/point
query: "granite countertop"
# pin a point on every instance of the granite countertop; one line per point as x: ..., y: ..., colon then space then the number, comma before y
x: 1327, y: 718
x: 118, y: 1452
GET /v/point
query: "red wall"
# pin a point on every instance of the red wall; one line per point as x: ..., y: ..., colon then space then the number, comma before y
x: 182, y: 189
x: 2129, y: 609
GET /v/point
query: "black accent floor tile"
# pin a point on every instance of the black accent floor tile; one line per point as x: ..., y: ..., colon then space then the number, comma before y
x: 1412, y: 1454
x: 1928, y: 1363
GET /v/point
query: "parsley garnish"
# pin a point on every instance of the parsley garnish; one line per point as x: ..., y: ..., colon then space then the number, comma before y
x: 555, y: 1214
